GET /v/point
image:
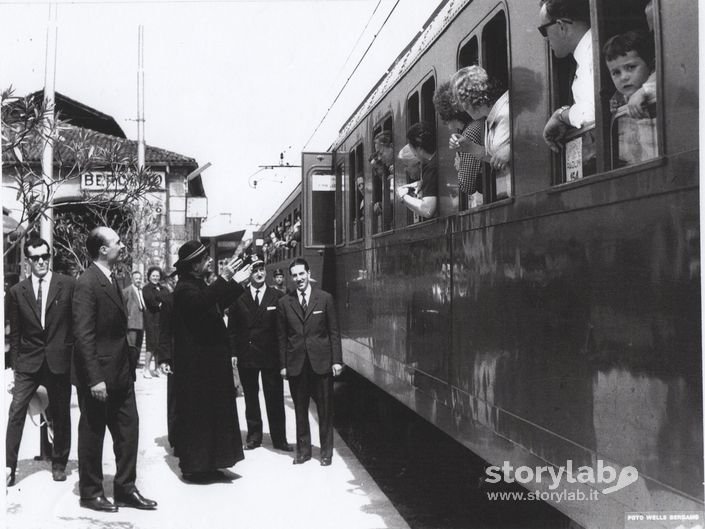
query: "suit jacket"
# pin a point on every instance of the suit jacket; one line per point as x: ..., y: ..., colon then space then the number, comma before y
x: 101, y: 352
x: 253, y: 330
x: 29, y: 343
x: 134, y: 313
x: 314, y: 334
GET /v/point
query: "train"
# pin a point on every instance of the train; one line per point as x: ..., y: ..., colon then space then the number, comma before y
x: 554, y: 325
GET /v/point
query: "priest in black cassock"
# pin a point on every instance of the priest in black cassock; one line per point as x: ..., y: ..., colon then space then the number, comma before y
x: 206, y: 429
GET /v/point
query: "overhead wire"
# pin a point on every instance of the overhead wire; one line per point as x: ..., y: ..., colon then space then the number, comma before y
x: 351, y: 74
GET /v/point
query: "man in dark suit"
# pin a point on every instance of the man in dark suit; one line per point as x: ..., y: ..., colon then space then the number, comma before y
x: 310, y: 355
x: 40, y: 350
x: 252, y: 327
x: 104, y: 378
x: 135, y: 315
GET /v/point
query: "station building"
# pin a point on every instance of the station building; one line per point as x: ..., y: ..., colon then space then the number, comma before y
x: 172, y: 197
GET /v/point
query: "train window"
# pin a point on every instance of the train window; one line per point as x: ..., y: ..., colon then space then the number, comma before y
x: 494, y: 49
x: 498, y: 184
x: 428, y: 111
x: 357, y: 193
x: 628, y: 73
x: 321, y: 215
x: 622, y: 128
x: 382, y: 169
x: 295, y: 241
x: 422, y: 192
x: 413, y: 110
x: 339, y: 179
x: 469, y: 53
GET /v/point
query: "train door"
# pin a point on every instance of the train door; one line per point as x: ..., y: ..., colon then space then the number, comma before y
x: 319, y: 184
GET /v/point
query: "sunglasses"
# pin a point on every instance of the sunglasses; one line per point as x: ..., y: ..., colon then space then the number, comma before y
x: 542, y: 28
x: 43, y: 257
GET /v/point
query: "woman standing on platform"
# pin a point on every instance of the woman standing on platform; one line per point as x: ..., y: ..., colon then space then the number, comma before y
x: 152, y: 294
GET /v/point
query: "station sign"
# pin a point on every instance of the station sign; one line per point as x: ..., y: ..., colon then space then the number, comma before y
x: 322, y: 182
x: 196, y: 207
x: 107, y: 180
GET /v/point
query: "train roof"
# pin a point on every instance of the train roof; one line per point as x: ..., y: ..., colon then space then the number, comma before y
x: 432, y: 29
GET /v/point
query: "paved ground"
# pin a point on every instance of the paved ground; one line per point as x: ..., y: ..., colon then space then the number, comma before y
x: 266, y: 491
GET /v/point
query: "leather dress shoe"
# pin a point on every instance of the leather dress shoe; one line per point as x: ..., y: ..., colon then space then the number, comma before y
x: 136, y: 500
x: 284, y: 447
x: 58, y: 474
x: 251, y: 445
x: 325, y: 461
x: 99, y: 504
x: 299, y: 460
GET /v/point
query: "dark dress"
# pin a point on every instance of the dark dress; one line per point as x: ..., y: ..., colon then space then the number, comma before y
x: 153, y: 301
x: 206, y: 430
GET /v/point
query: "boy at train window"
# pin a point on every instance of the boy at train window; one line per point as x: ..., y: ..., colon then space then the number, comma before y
x: 630, y: 60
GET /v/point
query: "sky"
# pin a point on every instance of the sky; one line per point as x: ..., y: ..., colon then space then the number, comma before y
x: 232, y: 83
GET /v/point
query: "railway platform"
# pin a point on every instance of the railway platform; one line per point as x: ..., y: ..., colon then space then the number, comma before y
x: 265, y: 490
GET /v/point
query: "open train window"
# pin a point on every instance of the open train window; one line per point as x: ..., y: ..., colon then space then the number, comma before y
x: 339, y: 179
x: 357, y: 193
x: 628, y: 77
x: 413, y: 110
x: 420, y: 108
x: 494, y: 49
x: 610, y: 137
x: 468, y: 53
x: 486, y: 45
x: 382, y: 170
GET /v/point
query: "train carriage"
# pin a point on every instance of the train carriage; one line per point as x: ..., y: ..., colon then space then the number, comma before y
x: 558, y: 321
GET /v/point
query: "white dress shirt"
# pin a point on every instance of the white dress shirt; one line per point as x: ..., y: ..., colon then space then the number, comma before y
x: 583, y: 87
x: 105, y: 271
x: 308, y: 295
x: 45, y: 291
x: 140, y: 299
x: 261, y: 290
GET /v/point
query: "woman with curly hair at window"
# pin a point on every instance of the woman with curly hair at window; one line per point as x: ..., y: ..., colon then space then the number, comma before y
x: 482, y: 97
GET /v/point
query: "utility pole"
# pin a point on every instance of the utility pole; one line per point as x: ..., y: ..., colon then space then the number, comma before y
x: 140, y: 98
x: 46, y: 224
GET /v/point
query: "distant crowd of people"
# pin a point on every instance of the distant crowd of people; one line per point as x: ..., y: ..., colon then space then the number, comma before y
x: 88, y: 331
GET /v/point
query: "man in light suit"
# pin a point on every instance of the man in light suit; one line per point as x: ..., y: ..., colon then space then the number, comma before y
x: 310, y: 355
x: 40, y: 349
x: 104, y: 378
x: 135, y: 309
x: 252, y: 328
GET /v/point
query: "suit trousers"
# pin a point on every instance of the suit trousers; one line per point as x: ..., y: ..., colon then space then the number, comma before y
x: 134, y: 340
x: 320, y: 387
x: 273, y: 388
x: 59, y: 391
x: 119, y: 414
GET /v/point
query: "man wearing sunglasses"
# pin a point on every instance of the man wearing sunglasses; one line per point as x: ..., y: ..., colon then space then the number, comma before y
x: 566, y: 26
x: 41, y: 343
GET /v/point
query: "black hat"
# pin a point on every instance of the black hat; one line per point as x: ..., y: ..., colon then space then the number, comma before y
x: 189, y: 252
x: 279, y: 272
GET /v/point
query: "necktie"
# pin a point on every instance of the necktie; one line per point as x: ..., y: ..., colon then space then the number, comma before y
x: 140, y: 298
x: 117, y: 287
x: 304, y: 305
x: 257, y: 297
x: 39, y: 298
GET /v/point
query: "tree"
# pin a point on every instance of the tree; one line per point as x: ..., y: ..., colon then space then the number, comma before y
x: 123, y: 199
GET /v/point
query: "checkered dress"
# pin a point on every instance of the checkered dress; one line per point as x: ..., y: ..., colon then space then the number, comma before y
x: 469, y: 166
